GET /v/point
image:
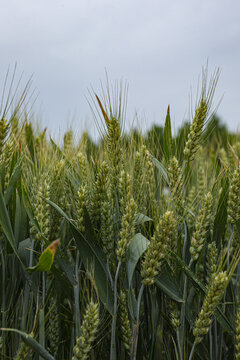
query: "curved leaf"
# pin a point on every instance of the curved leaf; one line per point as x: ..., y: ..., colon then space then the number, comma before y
x: 65, y: 265
x: 141, y: 218
x: 161, y: 168
x: 6, y: 225
x: 167, y: 283
x: 16, y: 174
x: 186, y: 244
x: 220, y: 221
x: 221, y: 318
x: 32, y: 343
x: 28, y: 207
x: 92, y: 257
x: 137, y: 247
x: 24, y: 250
x: 46, y: 258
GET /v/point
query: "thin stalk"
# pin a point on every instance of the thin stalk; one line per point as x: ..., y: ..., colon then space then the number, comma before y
x: 221, y: 344
x: 236, y: 284
x: 31, y: 253
x: 72, y: 343
x: 211, y: 344
x: 76, y: 299
x: 192, y: 351
x: 136, y: 326
x: 42, y: 311
x: 109, y: 274
x: 41, y: 329
x: 183, y: 313
x: 229, y: 247
x: 113, y: 352
x: 27, y: 291
x: 176, y: 349
x: 215, y: 339
x: 224, y: 298
x: 3, y: 288
x: 178, y: 342
x: 3, y: 308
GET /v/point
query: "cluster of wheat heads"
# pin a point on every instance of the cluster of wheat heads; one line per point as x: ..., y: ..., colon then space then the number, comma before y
x: 147, y: 264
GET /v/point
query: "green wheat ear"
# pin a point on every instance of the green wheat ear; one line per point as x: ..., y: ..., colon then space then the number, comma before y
x: 212, y: 257
x: 53, y: 328
x: 83, y: 166
x: 126, y: 332
x: 129, y: 211
x: 202, y: 224
x: 157, y: 250
x: 127, y: 229
x: 237, y: 346
x: 3, y: 132
x: 99, y: 192
x: 177, y: 188
x: 191, y: 202
x: 68, y: 141
x: 194, y: 135
x: 234, y: 198
x: 107, y: 231
x: 201, y: 114
x: 80, y: 203
x: 88, y: 332
x: 24, y: 352
x: 42, y: 209
x: 214, y: 294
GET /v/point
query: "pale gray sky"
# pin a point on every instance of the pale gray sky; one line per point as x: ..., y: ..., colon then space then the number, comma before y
x: 157, y: 46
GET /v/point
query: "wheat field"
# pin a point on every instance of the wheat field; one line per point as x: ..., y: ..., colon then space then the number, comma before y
x: 127, y: 248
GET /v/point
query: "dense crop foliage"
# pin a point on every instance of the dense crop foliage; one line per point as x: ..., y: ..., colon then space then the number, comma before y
x: 146, y: 262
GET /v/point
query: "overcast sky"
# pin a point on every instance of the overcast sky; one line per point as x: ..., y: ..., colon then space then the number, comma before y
x: 158, y: 47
